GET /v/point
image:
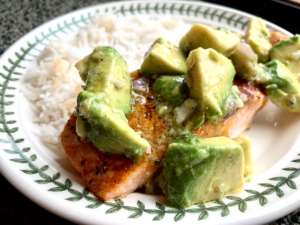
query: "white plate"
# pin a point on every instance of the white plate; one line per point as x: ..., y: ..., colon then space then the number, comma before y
x: 50, y: 181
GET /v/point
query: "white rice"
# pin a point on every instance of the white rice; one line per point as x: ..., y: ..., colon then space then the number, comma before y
x: 52, y: 83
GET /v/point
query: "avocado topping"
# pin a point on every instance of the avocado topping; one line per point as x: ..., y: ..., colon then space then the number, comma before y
x: 245, y: 62
x: 172, y: 88
x: 209, y: 78
x: 164, y: 58
x: 221, y: 40
x: 258, y: 37
x: 232, y: 103
x: 104, y: 102
x: 105, y: 71
x: 288, y: 52
x: 281, y: 86
x: 245, y: 143
x: 198, y: 171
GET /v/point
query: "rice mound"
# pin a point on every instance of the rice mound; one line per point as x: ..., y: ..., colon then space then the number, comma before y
x: 52, y: 82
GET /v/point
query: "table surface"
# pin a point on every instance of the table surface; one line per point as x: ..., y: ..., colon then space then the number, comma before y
x: 18, y: 17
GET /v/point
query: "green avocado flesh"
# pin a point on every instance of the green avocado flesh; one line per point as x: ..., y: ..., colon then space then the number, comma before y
x: 232, y: 103
x: 280, y: 85
x: 102, y: 105
x: 245, y: 143
x: 105, y: 71
x: 198, y: 171
x: 288, y: 52
x: 209, y: 78
x: 258, y: 37
x: 164, y: 58
x: 245, y: 62
x: 172, y: 88
x: 221, y: 40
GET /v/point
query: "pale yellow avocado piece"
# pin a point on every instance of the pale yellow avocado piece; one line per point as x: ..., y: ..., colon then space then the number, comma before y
x: 201, y: 170
x: 209, y: 78
x: 258, y: 37
x: 224, y: 42
x: 281, y: 85
x: 164, y: 58
x: 288, y: 52
x: 104, y: 102
x: 245, y: 143
x: 245, y: 62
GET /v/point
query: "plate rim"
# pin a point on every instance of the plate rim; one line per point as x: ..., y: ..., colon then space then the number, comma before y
x: 5, y: 163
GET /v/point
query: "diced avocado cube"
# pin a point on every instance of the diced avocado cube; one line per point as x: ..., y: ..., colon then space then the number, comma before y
x: 164, y: 58
x: 221, y: 40
x: 209, y: 78
x: 199, y: 171
x: 288, y: 52
x: 280, y: 85
x: 245, y: 62
x: 104, y: 70
x: 232, y: 103
x: 107, y: 127
x: 275, y: 75
x: 102, y: 105
x: 258, y: 37
x: 172, y: 88
x: 245, y: 143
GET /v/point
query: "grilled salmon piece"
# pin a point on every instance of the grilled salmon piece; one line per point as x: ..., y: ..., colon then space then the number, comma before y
x: 277, y: 36
x: 111, y: 176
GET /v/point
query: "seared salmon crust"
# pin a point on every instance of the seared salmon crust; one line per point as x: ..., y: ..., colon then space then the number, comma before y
x: 111, y: 176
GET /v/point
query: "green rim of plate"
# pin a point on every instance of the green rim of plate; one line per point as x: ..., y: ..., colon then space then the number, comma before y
x: 9, y: 74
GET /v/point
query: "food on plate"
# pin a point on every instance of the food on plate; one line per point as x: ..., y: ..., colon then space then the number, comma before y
x: 104, y: 102
x: 288, y: 52
x: 110, y: 176
x: 245, y: 143
x: 258, y: 37
x: 220, y: 39
x: 172, y: 88
x: 278, y: 82
x: 179, y: 106
x: 164, y: 58
x: 187, y: 101
x: 281, y: 86
x: 171, y: 108
x: 186, y: 107
x: 245, y: 62
x: 209, y: 78
x: 200, y: 170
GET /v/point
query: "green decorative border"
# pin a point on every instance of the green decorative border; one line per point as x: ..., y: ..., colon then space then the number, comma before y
x: 160, y: 211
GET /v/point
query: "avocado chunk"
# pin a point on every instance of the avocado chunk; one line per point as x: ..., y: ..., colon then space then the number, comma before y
x: 102, y: 105
x: 201, y: 170
x: 288, y: 52
x: 245, y: 143
x: 221, y: 40
x: 105, y: 71
x: 280, y: 85
x: 258, y: 37
x: 245, y: 62
x: 108, y: 129
x: 172, y: 88
x: 232, y: 103
x: 164, y: 58
x: 209, y: 78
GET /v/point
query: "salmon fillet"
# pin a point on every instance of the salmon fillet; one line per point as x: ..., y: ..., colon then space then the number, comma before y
x: 277, y: 36
x: 111, y: 176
